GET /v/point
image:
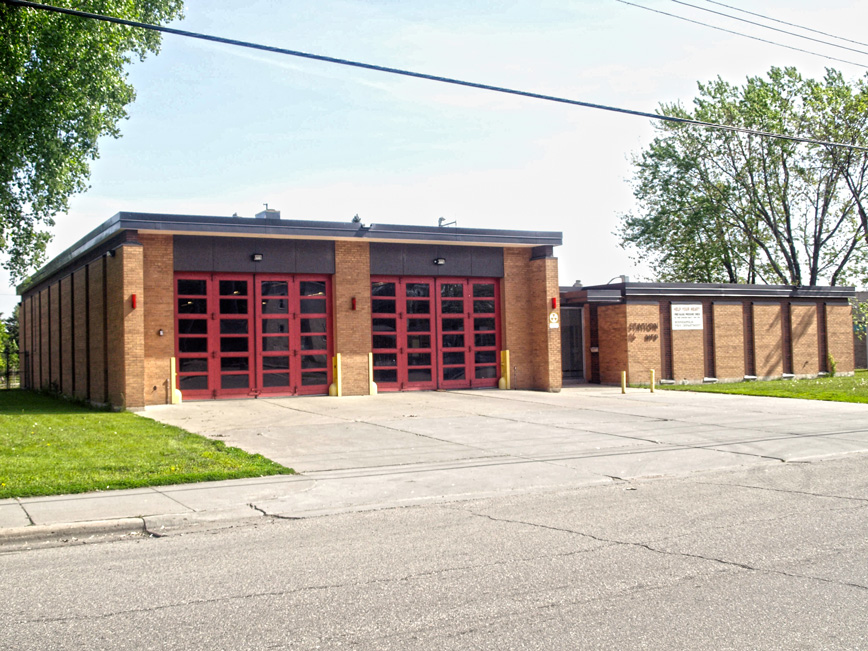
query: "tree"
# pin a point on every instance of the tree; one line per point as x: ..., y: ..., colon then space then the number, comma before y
x: 721, y: 206
x: 63, y: 85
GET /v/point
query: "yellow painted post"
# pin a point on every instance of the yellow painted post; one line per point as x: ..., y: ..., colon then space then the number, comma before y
x: 338, y: 375
x: 372, y: 386
x: 652, y: 380
x: 505, y: 381
x: 623, y: 381
x: 173, y: 391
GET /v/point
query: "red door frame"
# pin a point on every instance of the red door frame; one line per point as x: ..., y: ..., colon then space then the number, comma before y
x: 206, y: 336
x: 468, y: 323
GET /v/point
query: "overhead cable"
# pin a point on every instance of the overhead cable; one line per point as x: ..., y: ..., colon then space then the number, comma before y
x: 783, y: 22
x: 774, y: 29
x: 420, y: 75
x: 731, y: 31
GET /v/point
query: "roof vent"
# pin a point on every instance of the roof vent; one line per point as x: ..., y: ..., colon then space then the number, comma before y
x: 268, y: 213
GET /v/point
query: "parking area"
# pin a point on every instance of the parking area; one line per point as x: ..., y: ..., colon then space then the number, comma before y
x: 416, y: 445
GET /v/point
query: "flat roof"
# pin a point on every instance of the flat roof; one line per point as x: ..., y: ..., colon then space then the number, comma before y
x: 288, y: 229
x: 625, y: 292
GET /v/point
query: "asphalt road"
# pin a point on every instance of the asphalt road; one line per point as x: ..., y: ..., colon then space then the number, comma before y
x: 771, y: 557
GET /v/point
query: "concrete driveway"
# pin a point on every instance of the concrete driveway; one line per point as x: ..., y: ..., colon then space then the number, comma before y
x: 406, y: 448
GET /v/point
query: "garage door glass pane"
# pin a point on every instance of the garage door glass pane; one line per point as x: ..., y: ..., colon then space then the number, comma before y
x: 233, y: 288
x: 192, y: 306
x: 234, y: 381
x: 453, y: 325
x: 452, y: 307
x: 275, y: 363
x: 193, y: 382
x: 385, y: 341
x: 233, y: 344
x: 485, y: 340
x: 193, y: 345
x: 234, y: 364
x: 233, y: 326
x: 456, y: 373
x: 382, y: 289
x: 486, y: 372
x: 451, y: 290
x: 275, y: 326
x: 418, y: 307
x: 313, y: 343
x: 313, y: 378
x: 274, y: 288
x: 193, y: 365
x: 419, y: 359
x: 275, y: 343
x: 453, y: 341
x: 381, y: 306
x: 233, y: 306
x: 314, y: 361
x: 483, y: 290
x: 453, y: 358
x: 311, y: 288
x: 313, y: 306
x: 193, y: 287
x: 483, y: 307
x: 418, y: 341
x: 384, y: 325
x: 418, y: 289
x: 275, y: 306
x: 418, y: 325
x: 419, y: 374
x: 275, y: 380
x: 385, y: 375
x: 192, y: 326
x: 385, y: 359
x: 313, y: 325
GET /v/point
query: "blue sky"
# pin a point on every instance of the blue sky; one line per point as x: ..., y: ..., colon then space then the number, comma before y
x: 217, y: 130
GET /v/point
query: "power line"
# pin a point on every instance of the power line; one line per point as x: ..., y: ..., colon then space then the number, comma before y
x: 728, y: 31
x: 783, y: 22
x: 774, y: 29
x: 420, y: 75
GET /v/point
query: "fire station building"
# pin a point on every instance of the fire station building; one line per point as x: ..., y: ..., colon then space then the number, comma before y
x: 148, y: 305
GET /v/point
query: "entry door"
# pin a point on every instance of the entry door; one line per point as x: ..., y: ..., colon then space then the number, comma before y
x: 468, y: 324
x: 252, y: 334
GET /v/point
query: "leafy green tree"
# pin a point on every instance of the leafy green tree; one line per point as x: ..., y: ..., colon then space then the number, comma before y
x: 63, y: 85
x: 721, y: 206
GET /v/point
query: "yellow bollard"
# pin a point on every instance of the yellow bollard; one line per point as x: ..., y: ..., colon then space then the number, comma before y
x: 623, y: 381
x: 174, y: 393
x: 652, y: 380
x: 505, y: 381
x: 372, y: 386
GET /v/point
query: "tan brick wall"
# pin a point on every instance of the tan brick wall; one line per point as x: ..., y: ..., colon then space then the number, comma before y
x: 352, y: 328
x: 96, y: 327
x: 126, y: 367
x: 66, y: 338
x: 526, y: 292
x: 81, y: 335
x: 515, y: 308
x: 803, y: 320
x: 157, y: 302
x: 643, y: 342
x: 688, y: 355
x: 612, y: 339
x: 767, y: 340
x: 548, y: 374
x: 839, y: 336
x: 728, y: 341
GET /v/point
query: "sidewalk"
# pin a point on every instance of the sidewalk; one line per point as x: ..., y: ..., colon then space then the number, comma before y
x: 405, y: 449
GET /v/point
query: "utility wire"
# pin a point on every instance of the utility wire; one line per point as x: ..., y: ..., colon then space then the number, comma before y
x: 783, y: 22
x: 774, y: 29
x: 728, y: 31
x: 420, y: 75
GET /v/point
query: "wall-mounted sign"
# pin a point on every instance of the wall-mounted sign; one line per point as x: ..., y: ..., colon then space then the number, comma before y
x: 687, y: 316
x: 554, y: 320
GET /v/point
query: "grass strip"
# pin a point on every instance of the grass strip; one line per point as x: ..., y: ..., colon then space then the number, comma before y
x: 836, y: 389
x: 50, y: 446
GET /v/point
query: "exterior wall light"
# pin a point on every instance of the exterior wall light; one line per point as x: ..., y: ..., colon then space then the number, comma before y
x: 439, y: 261
x: 256, y: 257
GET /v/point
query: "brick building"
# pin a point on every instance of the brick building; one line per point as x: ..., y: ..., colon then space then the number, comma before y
x: 247, y: 307
x: 705, y: 332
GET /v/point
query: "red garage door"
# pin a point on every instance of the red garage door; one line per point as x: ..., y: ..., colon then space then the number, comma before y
x: 252, y: 334
x: 435, y: 333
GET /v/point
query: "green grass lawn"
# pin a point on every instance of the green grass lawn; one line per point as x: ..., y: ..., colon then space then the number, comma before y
x: 837, y: 389
x: 50, y: 446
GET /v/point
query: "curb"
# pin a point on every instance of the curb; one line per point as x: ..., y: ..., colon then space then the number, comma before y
x: 46, y: 533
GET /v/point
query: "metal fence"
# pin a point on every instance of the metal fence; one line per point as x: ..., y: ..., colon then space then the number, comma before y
x: 10, y: 377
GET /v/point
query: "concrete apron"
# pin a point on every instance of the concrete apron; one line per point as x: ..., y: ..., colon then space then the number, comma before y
x: 409, y: 448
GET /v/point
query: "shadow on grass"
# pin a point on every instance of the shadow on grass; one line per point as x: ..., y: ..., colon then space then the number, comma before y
x: 18, y: 401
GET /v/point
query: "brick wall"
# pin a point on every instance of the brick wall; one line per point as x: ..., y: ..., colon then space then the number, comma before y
x: 728, y: 341
x: 125, y: 328
x: 839, y: 336
x: 54, y: 336
x: 688, y: 355
x: 515, y: 299
x: 44, y: 341
x: 643, y: 342
x: 157, y: 303
x: 526, y: 292
x: 24, y: 342
x: 96, y: 328
x: 803, y: 320
x: 67, y: 340
x: 612, y: 342
x: 352, y: 328
x: 80, y: 345
x: 767, y: 340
